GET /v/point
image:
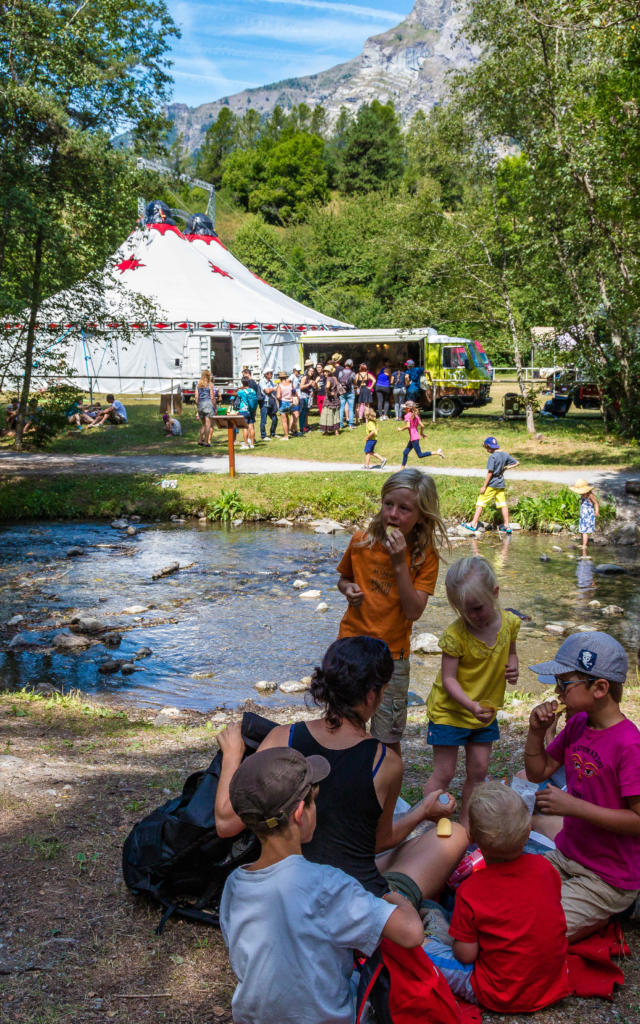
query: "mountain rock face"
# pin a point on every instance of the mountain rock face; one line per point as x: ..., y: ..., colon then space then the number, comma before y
x: 406, y: 65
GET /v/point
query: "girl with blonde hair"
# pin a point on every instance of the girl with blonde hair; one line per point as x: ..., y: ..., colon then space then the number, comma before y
x: 206, y: 407
x: 478, y: 660
x: 387, y: 574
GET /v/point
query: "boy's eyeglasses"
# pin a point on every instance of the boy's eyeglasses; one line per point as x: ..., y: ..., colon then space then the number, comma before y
x: 563, y: 685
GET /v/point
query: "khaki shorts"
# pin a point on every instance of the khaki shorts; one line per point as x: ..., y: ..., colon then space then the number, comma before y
x: 388, y: 723
x: 492, y: 494
x: 587, y: 900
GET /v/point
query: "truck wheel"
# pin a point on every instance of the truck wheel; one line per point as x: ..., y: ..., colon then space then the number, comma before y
x: 448, y: 407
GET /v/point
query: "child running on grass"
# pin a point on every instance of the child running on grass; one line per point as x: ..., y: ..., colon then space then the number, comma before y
x: 493, y: 487
x: 589, y: 511
x: 387, y: 574
x: 371, y: 440
x: 478, y: 660
x: 413, y: 424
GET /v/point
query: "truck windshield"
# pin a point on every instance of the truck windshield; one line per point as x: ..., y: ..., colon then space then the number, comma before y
x: 454, y: 357
x: 479, y: 356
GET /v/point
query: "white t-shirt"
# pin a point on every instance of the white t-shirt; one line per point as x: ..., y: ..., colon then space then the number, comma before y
x: 176, y: 429
x: 120, y: 409
x: 290, y: 930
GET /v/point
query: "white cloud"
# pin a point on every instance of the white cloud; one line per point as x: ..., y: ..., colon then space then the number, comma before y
x: 316, y: 31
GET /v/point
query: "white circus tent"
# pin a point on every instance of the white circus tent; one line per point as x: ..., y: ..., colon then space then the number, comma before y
x: 209, y: 310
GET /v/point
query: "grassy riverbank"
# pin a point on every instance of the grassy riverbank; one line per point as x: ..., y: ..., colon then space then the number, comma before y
x: 344, y: 496
x: 577, y: 442
x: 77, y: 946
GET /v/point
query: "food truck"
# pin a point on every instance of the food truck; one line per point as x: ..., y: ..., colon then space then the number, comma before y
x: 456, y: 373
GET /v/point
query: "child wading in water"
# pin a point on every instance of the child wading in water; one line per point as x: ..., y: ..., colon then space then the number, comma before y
x: 478, y: 660
x: 589, y: 511
x: 413, y: 424
x: 371, y: 440
x: 387, y: 574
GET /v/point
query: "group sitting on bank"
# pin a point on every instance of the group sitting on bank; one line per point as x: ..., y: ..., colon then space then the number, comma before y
x: 340, y: 869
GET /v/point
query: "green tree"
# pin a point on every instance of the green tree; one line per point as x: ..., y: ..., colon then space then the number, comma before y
x: 373, y: 155
x: 219, y: 141
x: 294, y: 178
x: 242, y: 172
x: 70, y: 76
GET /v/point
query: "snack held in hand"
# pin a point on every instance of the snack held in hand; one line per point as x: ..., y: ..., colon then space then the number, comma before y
x: 443, y: 828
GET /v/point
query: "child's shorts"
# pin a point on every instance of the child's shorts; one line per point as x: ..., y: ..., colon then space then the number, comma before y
x: 492, y: 494
x: 369, y: 446
x: 454, y: 736
x: 457, y: 974
x: 587, y: 900
x: 388, y: 723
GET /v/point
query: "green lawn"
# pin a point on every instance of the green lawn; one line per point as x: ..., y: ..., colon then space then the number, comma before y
x: 577, y: 442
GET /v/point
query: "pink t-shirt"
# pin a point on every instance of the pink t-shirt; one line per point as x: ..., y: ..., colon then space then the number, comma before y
x: 603, y: 767
x: 414, y: 425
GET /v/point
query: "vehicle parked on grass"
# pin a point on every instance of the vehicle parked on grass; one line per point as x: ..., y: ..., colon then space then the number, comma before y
x: 456, y: 373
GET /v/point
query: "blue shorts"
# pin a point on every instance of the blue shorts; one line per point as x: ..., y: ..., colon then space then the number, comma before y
x: 453, y: 736
x: 457, y: 974
x: 369, y: 446
x: 285, y: 407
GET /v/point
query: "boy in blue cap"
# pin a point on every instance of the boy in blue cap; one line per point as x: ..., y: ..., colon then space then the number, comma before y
x: 492, y: 490
x: 597, y: 851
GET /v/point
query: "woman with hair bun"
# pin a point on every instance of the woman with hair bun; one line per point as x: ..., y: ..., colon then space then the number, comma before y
x: 356, y: 829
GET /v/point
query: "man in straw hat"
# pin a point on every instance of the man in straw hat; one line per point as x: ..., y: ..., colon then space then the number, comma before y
x: 589, y: 510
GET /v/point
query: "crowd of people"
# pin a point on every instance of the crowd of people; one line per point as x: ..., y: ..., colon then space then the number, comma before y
x: 339, y: 868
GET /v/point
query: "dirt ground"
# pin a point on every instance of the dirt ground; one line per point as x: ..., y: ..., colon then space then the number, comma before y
x: 75, y: 945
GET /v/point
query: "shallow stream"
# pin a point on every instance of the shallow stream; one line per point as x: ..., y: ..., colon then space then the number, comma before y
x: 233, y: 617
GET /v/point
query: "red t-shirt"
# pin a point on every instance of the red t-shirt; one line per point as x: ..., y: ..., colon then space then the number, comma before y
x: 513, y: 911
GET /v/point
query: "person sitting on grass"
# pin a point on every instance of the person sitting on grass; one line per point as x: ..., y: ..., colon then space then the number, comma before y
x: 11, y: 416
x: 493, y: 488
x: 172, y: 427
x: 77, y: 414
x: 114, y: 413
x: 291, y: 925
x: 508, y: 929
x: 597, y: 851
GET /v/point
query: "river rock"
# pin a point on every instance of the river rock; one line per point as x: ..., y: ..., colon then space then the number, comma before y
x: 425, y: 643
x: 311, y: 594
x: 322, y: 607
x: 144, y: 652
x: 167, y: 570
x: 15, y: 620
x: 632, y: 486
x: 595, y: 604
x: 293, y: 686
x: 112, y: 639
x: 556, y: 628
x: 128, y: 668
x: 237, y: 522
x: 609, y: 569
x: 131, y: 531
x: 545, y: 558
x: 135, y: 519
x: 326, y: 526
x: 44, y: 690
x: 283, y: 522
x: 168, y: 716
x: 515, y: 527
x: 202, y: 675
x: 68, y: 642
x: 265, y: 686
x: 299, y: 584
x: 88, y: 625
x: 75, y: 552
x: 611, y: 611
x: 111, y: 665
x: 119, y: 524
x: 556, y: 528
x: 626, y: 534
x: 134, y: 609
x: 22, y: 640
x: 556, y: 547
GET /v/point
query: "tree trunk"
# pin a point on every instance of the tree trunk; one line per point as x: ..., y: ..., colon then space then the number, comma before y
x: 31, y: 334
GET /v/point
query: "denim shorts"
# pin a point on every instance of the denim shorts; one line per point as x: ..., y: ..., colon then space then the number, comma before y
x: 369, y: 446
x: 453, y: 736
x: 285, y: 407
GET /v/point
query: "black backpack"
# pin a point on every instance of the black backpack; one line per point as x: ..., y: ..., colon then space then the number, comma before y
x: 176, y: 857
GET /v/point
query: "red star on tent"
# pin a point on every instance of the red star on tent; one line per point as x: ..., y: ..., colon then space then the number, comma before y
x: 130, y: 264
x: 218, y: 270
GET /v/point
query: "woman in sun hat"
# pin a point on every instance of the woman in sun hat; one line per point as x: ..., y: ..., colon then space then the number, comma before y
x: 589, y: 510
x: 330, y: 415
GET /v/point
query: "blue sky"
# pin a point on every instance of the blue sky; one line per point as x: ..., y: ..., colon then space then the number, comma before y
x: 227, y: 47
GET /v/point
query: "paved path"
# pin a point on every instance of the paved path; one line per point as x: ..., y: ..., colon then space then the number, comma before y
x: 34, y: 465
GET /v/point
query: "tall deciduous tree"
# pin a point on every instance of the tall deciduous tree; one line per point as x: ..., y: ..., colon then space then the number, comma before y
x: 71, y: 74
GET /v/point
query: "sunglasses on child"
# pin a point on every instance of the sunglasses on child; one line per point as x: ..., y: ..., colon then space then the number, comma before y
x: 562, y: 685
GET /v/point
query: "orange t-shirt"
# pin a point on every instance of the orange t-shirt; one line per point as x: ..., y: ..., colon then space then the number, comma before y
x: 380, y: 615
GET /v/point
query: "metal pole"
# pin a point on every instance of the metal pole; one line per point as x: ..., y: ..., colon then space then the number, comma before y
x: 433, y: 396
x: 171, y: 399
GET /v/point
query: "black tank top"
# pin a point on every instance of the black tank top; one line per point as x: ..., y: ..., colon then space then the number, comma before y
x: 347, y: 809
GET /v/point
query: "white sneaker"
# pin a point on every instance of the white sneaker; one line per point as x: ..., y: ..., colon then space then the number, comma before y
x: 245, y: 446
x: 283, y: 438
x: 251, y: 444
x: 265, y: 439
x: 383, y: 464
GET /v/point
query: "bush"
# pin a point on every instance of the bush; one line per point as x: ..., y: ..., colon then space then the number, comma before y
x: 51, y: 414
x: 562, y: 507
x: 230, y: 505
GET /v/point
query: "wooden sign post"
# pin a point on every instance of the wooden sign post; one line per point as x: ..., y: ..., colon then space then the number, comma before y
x: 231, y: 422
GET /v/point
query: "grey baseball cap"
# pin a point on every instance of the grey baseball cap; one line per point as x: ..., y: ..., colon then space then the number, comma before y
x: 595, y: 654
x: 269, y: 784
